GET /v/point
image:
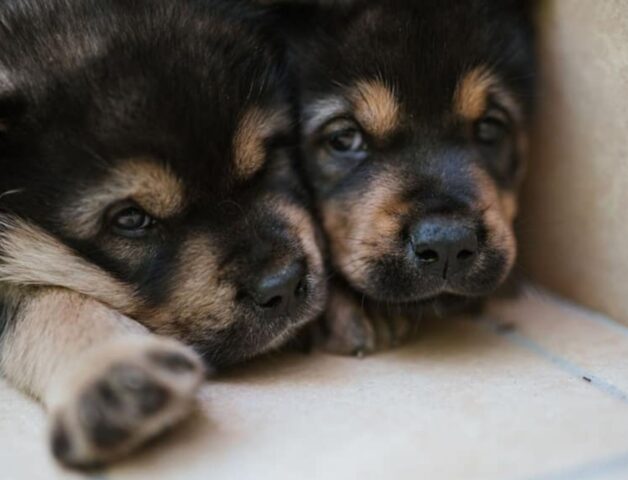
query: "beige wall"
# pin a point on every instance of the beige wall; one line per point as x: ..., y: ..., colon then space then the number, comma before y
x: 575, y: 216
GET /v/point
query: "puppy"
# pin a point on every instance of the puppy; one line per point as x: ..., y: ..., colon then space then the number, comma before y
x: 415, y: 117
x: 147, y: 189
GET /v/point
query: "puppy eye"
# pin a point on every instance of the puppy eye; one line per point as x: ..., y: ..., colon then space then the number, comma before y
x: 349, y: 140
x: 344, y: 138
x: 490, y: 131
x: 130, y: 221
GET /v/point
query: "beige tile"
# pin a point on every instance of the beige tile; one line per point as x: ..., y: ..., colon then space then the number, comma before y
x: 463, y: 402
x: 593, y: 343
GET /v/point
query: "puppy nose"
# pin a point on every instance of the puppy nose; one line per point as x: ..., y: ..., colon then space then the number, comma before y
x: 280, y: 290
x: 443, y: 245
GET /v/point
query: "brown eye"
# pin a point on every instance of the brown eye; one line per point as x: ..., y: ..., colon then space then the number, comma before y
x: 343, y: 139
x: 130, y: 221
x: 347, y: 140
x: 490, y: 131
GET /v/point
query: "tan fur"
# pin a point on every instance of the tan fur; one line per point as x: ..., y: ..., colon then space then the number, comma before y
x: 349, y: 329
x: 152, y: 185
x: 61, y: 343
x: 256, y: 126
x: 473, y: 91
x: 522, y: 144
x: 302, y: 225
x: 362, y: 230
x: 499, y: 209
x: 509, y: 205
x: 133, y: 354
x: 202, y: 302
x: 30, y: 256
x: 199, y: 294
x: 471, y: 95
x: 51, y: 328
x: 376, y: 108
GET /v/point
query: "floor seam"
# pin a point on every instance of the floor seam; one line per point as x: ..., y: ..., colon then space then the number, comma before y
x: 563, y: 364
x: 583, y: 312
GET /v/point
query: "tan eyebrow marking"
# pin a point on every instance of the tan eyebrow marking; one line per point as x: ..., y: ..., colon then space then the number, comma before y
x: 473, y: 91
x: 471, y: 95
x: 152, y: 185
x: 376, y: 107
x: 256, y: 126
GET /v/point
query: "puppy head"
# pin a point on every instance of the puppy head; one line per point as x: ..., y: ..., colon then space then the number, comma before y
x: 154, y: 174
x: 415, y: 118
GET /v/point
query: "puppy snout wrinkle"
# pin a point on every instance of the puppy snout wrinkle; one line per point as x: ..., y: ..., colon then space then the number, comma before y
x: 444, y: 246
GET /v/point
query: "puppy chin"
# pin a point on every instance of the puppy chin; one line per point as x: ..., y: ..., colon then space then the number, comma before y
x: 400, y: 285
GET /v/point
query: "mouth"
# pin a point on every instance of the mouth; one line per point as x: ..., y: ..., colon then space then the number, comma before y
x: 258, y: 330
x: 394, y: 279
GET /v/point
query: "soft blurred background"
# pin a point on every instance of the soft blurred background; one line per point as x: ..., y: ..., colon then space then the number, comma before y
x: 574, y: 228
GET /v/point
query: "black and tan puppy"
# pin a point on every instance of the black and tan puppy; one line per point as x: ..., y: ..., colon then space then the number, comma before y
x: 145, y: 186
x: 415, y: 118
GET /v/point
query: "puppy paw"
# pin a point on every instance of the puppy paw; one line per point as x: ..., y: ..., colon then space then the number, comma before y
x: 124, y: 396
x: 347, y: 329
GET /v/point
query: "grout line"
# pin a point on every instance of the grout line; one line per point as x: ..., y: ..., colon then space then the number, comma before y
x: 565, y: 365
x: 582, y: 311
x: 591, y: 471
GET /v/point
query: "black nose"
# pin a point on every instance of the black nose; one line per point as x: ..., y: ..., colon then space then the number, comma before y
x: 444, y: 246
x: 281, y: 290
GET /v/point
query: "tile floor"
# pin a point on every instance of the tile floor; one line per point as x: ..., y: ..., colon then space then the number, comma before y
x: 535, y: 389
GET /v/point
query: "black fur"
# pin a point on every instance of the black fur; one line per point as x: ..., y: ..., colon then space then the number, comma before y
x: 85, y: 84
x: 421, y: 50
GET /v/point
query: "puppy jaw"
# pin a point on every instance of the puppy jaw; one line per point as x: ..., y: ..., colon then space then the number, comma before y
x: 152, y: 185
x: 255, y: 128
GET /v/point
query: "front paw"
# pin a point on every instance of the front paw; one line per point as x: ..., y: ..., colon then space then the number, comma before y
x: 128, y: 394
x: 349, y: 329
